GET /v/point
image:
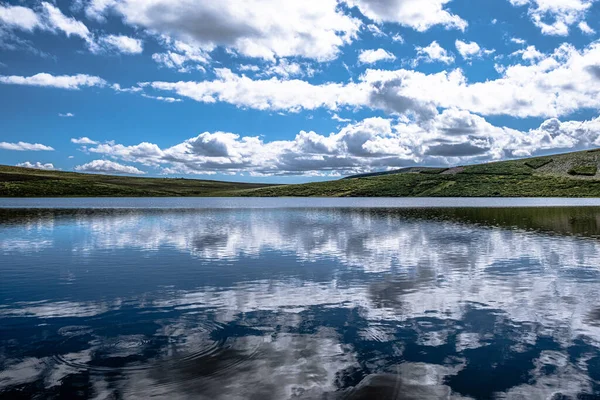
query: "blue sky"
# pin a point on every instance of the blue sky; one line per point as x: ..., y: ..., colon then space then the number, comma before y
x: 288, y: 91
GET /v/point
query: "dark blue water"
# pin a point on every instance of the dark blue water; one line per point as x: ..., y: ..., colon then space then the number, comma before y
x: 299, y: 303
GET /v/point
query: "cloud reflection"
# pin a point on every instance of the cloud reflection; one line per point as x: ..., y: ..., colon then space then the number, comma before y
x: 308, y: 304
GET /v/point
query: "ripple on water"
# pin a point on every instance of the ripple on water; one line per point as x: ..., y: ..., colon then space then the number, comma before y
x: 132, y: 353
x: 74, y: 330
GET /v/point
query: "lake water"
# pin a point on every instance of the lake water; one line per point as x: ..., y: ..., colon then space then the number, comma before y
x: 299, y: 299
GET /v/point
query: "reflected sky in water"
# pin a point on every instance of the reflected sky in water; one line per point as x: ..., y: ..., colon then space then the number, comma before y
x: 300, y: 303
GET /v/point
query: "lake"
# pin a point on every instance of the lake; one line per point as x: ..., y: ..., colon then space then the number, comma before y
x: 299, y: 298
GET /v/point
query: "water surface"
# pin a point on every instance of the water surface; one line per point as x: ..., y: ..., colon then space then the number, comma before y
x: 301, y: 301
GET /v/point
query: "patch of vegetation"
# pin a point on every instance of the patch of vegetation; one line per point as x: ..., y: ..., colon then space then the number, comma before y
x: 584, y: 170
x: 498, y: 168
x: 537, y: 163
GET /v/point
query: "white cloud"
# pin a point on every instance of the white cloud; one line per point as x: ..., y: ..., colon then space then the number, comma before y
x: 46, y: 17
x: 373, y: 56
x: 70, y: 26
x: 398, y: 38
x: 248, y: 67
x: 122, y: 44
x: 55, y: 20
x: 468, y: 50
x: 336, y: 117
x: 268, y: 94
x: 24, y: 146
x: 83, y: 140
x: 452, y: 137
x: 134, y: 89
x: 71, y: 82
x: 37, y: 165
x: 19, y: 17
x: 554, y: 85
x: 265, y: 29
x: 66, y: 115
x: 288, y: 69
x: 555, y: 17
x: 529, y: 54
x: 108, y: 167
x: 375, y: 30
x: 585, y: 28
x: 518, y: 41
x: 50, y: 18
x: 417, y: 14
x: 161, y: 98
x: 182, y: 56
x: 432, y: 53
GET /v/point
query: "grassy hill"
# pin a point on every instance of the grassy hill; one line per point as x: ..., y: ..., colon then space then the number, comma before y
x: 27, y: 182
x: 563, y: 175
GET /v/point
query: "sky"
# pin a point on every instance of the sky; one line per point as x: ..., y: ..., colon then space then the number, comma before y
x: 294, y: 91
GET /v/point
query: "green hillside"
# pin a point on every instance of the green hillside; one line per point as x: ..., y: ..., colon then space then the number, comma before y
x: 26, y: 182
x: 563, y: 175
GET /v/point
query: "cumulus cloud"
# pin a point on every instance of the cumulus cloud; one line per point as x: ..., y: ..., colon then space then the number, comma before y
x: 550, y: 85
x: 585, y: 28
x: 529, y: 54
x: 265, y: 94
x: 467, y: 50
x: 24, y: 146
x: 432, y: 53
x: 19, y: 17
x: 417, y: 14
x: 452, y: 137
x: 71, y: 82
x: 373, y: 56
x: 83, y: 140
x: 108, y: 167
x: 470, y: 50
x: 37, y: 165
x: 555, y: 17
x: 256, y: 28
x: 50, y: 18
x: 122, y: 44
x: 66, y: 115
